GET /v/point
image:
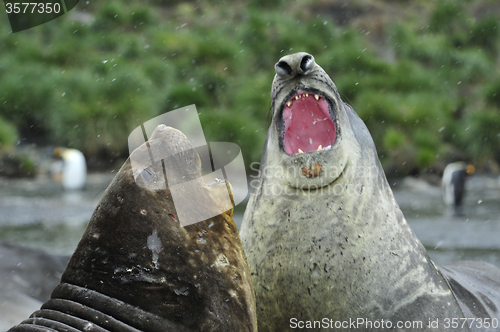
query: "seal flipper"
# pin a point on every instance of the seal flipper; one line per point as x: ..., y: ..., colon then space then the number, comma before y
x: 137, y: 268
x: 476, y: 286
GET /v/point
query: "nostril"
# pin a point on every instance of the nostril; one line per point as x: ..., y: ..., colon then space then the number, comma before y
x: 283, y: 69
x: 307, y: 63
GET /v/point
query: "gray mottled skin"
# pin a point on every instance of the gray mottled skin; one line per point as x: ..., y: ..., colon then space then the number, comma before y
x: 335, y: 246
x: 137, y: 269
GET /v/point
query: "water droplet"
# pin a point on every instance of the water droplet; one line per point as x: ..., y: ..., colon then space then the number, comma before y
x: 479, y: 201
x: 221, y: 260
x: 88, y: 326
x: 105, y: 61
x: 182, y: 291
x: 154, y: 244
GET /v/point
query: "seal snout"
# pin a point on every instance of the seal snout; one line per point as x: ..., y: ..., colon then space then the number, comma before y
x: 294, y: 64
x: 306, y: 133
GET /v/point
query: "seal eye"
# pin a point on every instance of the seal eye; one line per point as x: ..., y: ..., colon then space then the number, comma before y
x: 283, y: 69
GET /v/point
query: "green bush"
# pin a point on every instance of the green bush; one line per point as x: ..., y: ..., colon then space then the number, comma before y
x: 242, y: 129
x: 185, y: 94
x: 447, y: 16
x: 492, y: 93
x: 382, y: 107
x: 424, y: 138
x: 111, y: 15
x: 472, y: 65
x: 8, y: 134
x: 425, y: 157
x: 393, y: 139
x: 260, y: 4
x: 485, y: 34
x: 26, y: 94
x: 483, y: 134
x: 141, y: 16
x: 253, y: 97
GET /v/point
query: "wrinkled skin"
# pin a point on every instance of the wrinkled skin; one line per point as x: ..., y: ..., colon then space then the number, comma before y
x: 333, y: 243
x: 136, y: 267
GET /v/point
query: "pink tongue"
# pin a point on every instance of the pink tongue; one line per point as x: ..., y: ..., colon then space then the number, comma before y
x: 307, y: 125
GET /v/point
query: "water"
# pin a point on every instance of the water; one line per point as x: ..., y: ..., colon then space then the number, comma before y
x: 447, y: 238
x: 40, y: 214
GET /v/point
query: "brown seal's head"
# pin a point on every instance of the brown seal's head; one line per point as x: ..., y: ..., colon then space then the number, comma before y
x: 170, y: 160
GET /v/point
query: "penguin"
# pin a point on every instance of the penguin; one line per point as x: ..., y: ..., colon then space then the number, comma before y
x: 453, y: 184
x: 71, y: 170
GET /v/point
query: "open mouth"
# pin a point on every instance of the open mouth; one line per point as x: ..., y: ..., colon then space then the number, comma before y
x: 308, y: 123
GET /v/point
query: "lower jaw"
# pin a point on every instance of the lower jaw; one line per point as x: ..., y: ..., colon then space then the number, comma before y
x: 316, y: 184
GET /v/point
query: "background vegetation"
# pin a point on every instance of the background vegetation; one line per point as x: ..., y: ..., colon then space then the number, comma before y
x: 423, y: 75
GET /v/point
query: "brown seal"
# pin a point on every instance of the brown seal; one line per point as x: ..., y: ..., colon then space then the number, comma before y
x: 137, y: 268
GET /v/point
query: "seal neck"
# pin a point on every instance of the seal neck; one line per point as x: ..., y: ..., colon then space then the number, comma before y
x: 74, y: 308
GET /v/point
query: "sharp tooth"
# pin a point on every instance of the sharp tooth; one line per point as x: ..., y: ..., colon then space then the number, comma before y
x: 316, y: 97
x: 307, y: 95
x: 320, y: 148
x: 300, y: 151
x: 297, y: 97
x: 289, y: 103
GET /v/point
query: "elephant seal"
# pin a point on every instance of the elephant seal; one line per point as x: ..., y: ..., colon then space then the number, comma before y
x: 326, y: 242
x: 137, y: 268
